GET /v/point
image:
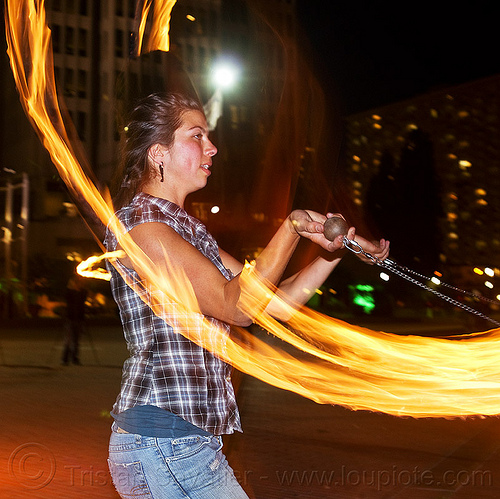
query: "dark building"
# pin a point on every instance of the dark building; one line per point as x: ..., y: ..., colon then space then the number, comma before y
x: 460, y: 127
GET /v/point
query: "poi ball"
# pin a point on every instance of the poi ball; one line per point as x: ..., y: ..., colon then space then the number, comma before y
x: 335, y: 226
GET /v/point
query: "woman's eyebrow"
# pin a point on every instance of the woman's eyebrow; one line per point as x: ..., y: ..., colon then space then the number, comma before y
x: 203, y: 129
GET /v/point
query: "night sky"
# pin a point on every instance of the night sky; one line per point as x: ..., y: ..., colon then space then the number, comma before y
x: 369, y: 53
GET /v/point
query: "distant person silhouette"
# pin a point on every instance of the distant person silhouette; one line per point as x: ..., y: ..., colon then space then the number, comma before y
x: 76, y: 296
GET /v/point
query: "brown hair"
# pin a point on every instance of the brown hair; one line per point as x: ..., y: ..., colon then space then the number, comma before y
x: 154, y: 120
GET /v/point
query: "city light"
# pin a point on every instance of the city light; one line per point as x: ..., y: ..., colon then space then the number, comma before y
x: 225, y: 75
x: 489, y: 272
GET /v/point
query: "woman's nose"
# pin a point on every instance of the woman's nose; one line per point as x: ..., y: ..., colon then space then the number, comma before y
x: 211, y: 149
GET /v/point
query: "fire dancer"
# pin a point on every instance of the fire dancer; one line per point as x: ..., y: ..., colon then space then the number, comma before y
x: 176, y: 399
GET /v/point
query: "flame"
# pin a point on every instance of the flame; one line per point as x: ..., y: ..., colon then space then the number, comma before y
x: 333, y: 362
x: 158, y: 38
x: 85, y: 268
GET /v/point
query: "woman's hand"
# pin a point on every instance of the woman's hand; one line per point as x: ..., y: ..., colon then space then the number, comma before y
x: 378, y: 249
x: 309, y: 224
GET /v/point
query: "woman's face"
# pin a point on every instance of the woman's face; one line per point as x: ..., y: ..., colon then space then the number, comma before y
x: 187, y: 162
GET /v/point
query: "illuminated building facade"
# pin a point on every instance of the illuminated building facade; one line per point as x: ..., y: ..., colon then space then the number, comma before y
x: 463, y: 125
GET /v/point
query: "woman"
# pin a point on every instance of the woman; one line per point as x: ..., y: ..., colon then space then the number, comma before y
x: 176, y: 398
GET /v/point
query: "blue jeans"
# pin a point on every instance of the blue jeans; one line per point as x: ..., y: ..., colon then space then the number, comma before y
x: 191, y: 467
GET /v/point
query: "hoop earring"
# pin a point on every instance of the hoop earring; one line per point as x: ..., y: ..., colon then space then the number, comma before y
x: 161, y: 171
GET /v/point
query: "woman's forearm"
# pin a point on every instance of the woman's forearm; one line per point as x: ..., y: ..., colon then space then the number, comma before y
x: 299, y: 288
x: 269, y: 268
x: 273, y: 260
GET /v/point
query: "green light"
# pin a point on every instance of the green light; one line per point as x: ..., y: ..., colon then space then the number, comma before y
x: 363, y: 297
x: 365, y: 302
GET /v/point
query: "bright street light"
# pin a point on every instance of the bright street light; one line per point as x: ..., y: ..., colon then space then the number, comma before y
x: 225, y: 75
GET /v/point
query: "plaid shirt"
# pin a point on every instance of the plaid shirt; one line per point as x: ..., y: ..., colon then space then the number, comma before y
x: 164, y: 368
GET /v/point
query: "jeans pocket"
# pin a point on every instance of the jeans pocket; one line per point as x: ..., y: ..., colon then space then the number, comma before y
x: 187, y: 446
x: 201, y: 468
x: 129, y: 480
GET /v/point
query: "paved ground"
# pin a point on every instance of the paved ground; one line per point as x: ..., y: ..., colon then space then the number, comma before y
x: 55, y: 427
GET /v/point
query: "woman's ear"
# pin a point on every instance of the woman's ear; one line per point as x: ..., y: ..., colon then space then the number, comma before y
x: 157, y: 153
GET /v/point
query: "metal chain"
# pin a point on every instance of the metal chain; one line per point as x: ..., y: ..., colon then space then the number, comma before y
x: 403, y: 272
x: 444, y: 284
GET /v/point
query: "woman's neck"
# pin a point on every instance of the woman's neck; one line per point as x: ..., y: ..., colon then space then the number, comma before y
x: 163, y: 193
